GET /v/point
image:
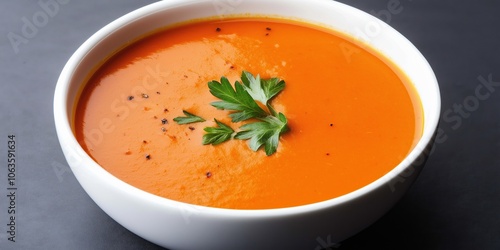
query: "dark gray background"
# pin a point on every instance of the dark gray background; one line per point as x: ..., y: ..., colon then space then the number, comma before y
x: 454, y: 204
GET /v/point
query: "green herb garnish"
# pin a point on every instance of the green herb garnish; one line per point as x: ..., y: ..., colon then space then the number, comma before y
x: 237, y: 99
x: 188, y: 118
x: 218, y: 134
x: 268, y: 126
x: 267, y: 132
x: 262, y: 90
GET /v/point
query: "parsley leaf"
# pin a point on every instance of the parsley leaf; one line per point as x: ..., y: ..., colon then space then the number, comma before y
x: 266, y: 132
x: 188, y: 118
x: 267, y: 125
x: 260, y: 89
x: 243, y: 98
x: 237, y: 99
x: 217, y: 135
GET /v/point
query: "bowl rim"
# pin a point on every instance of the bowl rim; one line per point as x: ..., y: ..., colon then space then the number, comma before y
x: 62, y: 117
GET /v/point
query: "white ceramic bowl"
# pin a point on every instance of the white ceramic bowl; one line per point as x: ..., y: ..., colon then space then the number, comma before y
x: 178, y: 225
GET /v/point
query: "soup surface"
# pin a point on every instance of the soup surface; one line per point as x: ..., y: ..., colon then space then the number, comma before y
x: 352, y: 115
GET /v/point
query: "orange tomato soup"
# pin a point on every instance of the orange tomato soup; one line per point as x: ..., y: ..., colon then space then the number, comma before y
x: 353, y: 116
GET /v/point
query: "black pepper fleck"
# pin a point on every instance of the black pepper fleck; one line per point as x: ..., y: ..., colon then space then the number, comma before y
x: 191, y: 128
x: 148, y: 157
x: 208, y: 174
x: 144, y: 95
x: 163, y: 129
x: 331, y: 124
x: 218, y: 29
x: 145, y: 142
x: 130, y: 98
x: 165, y: 110
x: 268, y: 28
x: 164, y: 121
x: 158, y: 92
x: 327, y: 154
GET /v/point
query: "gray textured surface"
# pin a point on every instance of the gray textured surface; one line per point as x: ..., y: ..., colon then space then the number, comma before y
x: 453, y: 205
